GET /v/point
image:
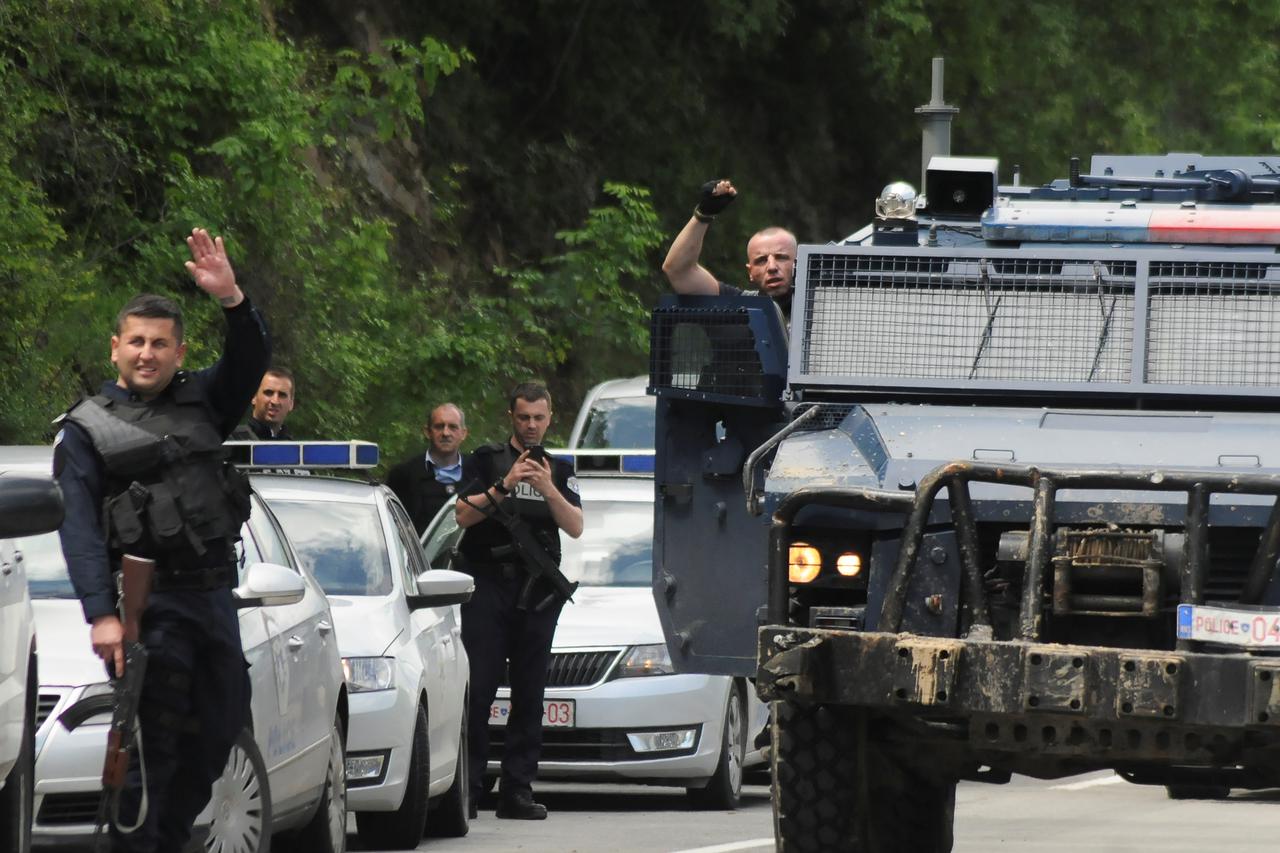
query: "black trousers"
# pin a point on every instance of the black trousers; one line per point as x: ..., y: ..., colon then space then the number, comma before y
x: 495, y: 631
x: 195, y: 701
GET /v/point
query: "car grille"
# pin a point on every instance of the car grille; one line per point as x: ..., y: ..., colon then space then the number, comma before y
x: 571, y: 745
x: 68, y: 809
x: 576, y: 669
x: 45, y: 703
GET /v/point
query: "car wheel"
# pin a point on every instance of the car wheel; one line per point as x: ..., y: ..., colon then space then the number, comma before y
x: 724, y: 789
x: 327, y: 830
x: 16, y: 796
x: 241, y: 802
x: 450, y: 817
x: 402, y: 829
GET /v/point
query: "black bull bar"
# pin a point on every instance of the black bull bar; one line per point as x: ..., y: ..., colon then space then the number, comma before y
x: 1183, y: 704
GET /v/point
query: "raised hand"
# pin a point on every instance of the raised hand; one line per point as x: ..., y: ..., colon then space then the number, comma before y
x: 211, y: 269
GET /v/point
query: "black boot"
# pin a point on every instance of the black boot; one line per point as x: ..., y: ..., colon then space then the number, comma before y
x: 520, y: 806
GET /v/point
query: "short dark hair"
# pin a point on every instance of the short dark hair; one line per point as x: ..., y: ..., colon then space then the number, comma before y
x: 152, y: 306
x: 281, y: 373
x: 530, y: 392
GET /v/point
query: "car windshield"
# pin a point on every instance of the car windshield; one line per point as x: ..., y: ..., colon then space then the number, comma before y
x: 616, y: 546
x: 46, y: 570
x: 621, y: 423
x: 342, y: 544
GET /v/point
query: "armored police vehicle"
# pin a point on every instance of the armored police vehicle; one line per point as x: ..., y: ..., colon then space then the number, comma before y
x: 1004, y: 502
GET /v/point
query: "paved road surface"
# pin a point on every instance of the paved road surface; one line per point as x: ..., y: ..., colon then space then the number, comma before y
x: 1099, y: 813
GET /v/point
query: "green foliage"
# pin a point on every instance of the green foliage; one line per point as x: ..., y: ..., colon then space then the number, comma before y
x: 435, y: 201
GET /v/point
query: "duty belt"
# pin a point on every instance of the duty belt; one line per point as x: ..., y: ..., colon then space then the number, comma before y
x: 505, y: 571
x: 195, y: 579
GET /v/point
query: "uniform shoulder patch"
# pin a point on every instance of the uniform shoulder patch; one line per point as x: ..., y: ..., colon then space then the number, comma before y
x: 572, y: 485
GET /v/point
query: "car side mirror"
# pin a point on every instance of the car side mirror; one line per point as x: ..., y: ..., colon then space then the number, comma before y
x: 442, y: 587
x: 269, y: 585
x: 29, y: 505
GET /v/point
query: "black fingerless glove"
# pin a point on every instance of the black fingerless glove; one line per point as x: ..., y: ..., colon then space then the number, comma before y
x: 709, y: 204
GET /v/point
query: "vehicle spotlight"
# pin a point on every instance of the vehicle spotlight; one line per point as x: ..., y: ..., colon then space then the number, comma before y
x: 849, y: 564
x: 805, y: 562
x: 897, y: 201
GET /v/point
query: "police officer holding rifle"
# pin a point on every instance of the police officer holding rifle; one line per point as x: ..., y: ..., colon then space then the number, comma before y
x: 147, y: 483
x: 516, y: 500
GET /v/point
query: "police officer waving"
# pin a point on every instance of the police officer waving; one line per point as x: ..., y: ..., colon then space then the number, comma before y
x: 503, y: 623
x: 143, y: 473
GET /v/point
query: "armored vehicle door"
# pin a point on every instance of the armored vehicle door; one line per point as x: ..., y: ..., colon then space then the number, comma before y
x: 718, y: 368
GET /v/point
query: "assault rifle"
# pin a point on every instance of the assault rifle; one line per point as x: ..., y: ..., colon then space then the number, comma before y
x: 532, y: 555
x: 126, y: 691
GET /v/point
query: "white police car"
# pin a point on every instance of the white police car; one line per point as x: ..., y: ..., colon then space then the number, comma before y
x: 615, y: 709
x: 284, y: 777
x: 27, y: 506
x: 616, y: 415
x: 398, y: 628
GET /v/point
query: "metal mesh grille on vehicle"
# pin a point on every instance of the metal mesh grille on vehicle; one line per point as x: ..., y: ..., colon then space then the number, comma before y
x: 952, y: 318
x: 707, y: 349
x: 830, y: 415
x: 577, y: 669
x: 1214, y: 323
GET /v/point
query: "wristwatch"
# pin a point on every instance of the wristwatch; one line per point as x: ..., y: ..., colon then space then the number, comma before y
x: 502, y: 490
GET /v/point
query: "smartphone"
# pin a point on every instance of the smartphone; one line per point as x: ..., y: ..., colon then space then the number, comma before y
x: 537, y: 452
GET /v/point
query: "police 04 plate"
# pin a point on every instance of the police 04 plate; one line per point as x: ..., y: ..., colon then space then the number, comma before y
x: 556, y: 713
x: 1253, y: 628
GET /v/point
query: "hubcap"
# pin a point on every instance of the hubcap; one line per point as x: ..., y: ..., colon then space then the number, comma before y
x: 337, y: 786
x: 733, y: 720
x: 237, y: 808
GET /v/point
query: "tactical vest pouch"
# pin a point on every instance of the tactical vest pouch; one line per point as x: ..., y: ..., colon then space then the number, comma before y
x: 236, y: 486
x: 125, y: 516
x: 165, y: 518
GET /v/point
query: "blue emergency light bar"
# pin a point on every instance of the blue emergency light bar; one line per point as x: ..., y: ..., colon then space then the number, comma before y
x: 605, y: 463
x: 303, y: 454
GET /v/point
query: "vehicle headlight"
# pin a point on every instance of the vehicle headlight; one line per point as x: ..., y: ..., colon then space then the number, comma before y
x: 365, y: 674
x: 645, y: 660
x: 805, y: 562
x: 849, y: 564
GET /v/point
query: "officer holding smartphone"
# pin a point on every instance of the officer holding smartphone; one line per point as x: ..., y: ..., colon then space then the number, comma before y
x: 520, y: 477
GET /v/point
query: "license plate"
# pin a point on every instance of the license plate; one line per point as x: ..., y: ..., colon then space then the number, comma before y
x: 556, y: 713
x: 1234, y: 626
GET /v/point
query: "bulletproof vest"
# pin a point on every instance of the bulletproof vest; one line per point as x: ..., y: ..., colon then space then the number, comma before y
x: 489, y: 535
x: 171, y: 492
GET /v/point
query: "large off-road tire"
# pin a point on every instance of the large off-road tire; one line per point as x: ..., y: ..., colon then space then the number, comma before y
x: 18, y: 792
x: 241, y: 801
x: 724, y: 789
x: 326, y: 832
x: 402, y: 829
x: 840, y: 786
x: 449, y: 817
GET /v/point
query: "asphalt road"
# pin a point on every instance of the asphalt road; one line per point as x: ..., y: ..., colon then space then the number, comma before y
x: 1099, y: 813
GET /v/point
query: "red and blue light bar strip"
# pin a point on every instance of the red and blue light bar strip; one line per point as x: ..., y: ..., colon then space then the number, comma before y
x: 1093, y: 222
x: 603, y: 463
x: 303, y: 454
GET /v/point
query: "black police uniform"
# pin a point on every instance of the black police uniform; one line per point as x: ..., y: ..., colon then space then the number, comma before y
x: 256, y: 430
x: 148, y: 479
x: 494, y: 628
x: 416, y: 486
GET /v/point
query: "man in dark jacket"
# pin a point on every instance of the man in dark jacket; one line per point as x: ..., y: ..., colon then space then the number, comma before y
x: 425, y: 482
x: 272, y: 403
x: 144, y: 474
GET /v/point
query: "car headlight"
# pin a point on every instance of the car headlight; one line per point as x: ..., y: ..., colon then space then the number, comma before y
x: 645, y: 660
x: 366, y: 674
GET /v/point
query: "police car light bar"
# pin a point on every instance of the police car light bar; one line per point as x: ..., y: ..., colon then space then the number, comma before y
x: 303, y: 454
x: 1128, y: 222
x: 606, y: 463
